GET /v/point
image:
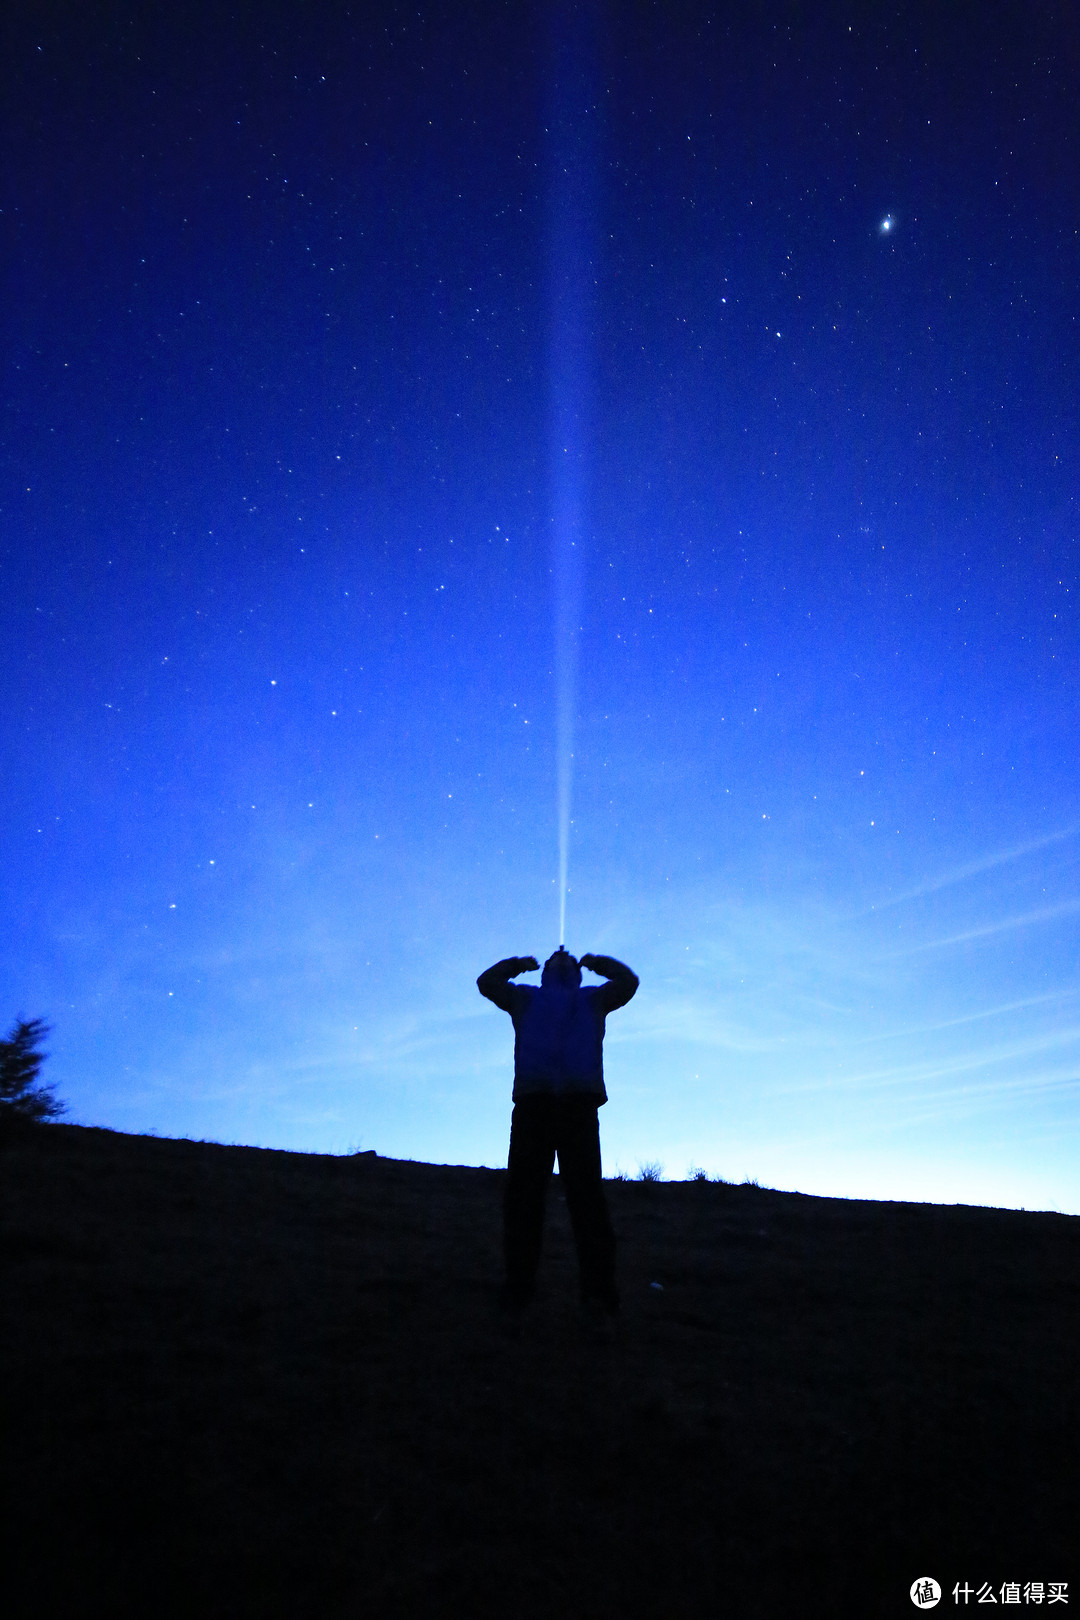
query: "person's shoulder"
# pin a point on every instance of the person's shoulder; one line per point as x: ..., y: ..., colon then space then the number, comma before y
x: 614, y: 993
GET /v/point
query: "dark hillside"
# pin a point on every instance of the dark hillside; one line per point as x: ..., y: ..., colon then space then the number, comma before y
x: 249, y: 1383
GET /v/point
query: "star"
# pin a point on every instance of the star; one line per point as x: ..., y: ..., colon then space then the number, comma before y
x: 886, y: 226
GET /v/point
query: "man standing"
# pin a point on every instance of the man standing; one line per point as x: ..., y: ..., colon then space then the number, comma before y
x: 558, y: 1088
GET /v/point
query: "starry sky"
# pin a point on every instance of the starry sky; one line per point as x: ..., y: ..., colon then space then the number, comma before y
x: 300, y: 303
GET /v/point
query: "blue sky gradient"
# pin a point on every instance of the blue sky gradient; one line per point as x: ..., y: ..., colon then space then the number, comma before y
x: 278, y: 610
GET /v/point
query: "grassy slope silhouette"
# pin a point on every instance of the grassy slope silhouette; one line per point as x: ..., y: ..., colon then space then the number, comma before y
x: 254, y: 1383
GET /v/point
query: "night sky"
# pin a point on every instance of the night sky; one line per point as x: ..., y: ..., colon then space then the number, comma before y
x: 299, y: 303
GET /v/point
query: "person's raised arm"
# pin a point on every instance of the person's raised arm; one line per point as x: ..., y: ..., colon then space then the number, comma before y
x: 494, y: 982
x: 622, y: 981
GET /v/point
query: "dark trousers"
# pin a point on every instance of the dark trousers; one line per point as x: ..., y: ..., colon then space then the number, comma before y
x: 540, y: 1128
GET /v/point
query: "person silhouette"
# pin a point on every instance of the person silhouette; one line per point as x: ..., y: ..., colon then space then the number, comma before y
x: 558, y: 1090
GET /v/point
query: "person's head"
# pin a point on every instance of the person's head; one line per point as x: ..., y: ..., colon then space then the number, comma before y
x: 562, y: 969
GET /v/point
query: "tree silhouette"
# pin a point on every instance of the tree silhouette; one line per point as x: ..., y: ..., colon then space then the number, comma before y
x: 21, y: 1095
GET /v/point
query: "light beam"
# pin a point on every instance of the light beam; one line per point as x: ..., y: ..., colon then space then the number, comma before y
x: 571, y: 274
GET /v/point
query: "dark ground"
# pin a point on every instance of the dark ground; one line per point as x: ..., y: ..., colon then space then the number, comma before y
x: 248, y: 1383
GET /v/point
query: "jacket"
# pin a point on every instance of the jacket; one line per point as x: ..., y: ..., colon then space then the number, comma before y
x: 558, y: 1029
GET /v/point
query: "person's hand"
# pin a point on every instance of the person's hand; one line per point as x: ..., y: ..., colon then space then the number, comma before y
x: 589, y: 961
x: 527, y: 964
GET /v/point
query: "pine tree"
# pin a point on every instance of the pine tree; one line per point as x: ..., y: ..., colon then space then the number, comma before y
x: 21, y: 1095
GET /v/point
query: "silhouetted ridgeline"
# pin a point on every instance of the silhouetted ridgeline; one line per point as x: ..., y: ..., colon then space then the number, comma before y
x: 250, y: 1383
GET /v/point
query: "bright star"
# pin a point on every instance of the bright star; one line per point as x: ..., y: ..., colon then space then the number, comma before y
x: 886, y: 225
